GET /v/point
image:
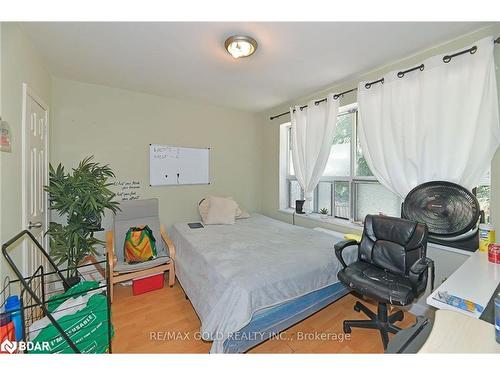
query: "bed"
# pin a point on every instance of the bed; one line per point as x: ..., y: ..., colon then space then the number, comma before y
x: 253, y: 279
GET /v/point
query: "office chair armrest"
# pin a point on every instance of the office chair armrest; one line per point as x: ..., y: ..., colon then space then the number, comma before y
x: 419, y: 267
x: 340, y: 246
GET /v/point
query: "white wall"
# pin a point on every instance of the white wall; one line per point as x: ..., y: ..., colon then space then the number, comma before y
x: 117, y: 127
x: 19, y: 63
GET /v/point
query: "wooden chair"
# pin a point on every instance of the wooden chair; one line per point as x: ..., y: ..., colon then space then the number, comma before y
x: 138, y: 213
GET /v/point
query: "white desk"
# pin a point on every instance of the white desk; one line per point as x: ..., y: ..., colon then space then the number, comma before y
x: 457, y: 333
x: 475, y: 280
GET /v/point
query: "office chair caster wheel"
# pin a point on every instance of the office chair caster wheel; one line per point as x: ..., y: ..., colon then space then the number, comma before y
x: 347, y: 329
x: 357, y: 307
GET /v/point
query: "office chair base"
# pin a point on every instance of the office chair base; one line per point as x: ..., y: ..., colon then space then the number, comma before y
x: 381, y: 321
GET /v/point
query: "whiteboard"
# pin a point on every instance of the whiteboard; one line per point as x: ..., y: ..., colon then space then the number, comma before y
x: 169, y: 165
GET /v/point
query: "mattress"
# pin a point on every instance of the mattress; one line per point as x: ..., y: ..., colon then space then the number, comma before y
x: 232, y: 272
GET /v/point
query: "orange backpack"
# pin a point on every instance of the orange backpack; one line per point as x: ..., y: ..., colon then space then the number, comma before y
x: 140, y: 245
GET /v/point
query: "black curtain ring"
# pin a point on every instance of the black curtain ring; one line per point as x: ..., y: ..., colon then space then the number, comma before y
x: 382, y: 81
x: 473, y: 50
x: 336, y: 96
x: 401, y: 74
x: 446, y: 59
x: 368, y: 85
x: 316, y: 103
x: 422, y: 67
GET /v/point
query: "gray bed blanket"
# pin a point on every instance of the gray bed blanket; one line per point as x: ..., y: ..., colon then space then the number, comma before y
x: 229, y: 272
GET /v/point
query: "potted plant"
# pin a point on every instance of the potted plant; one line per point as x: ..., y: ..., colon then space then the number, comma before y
x: 324, y: 213
x: 81, y: 197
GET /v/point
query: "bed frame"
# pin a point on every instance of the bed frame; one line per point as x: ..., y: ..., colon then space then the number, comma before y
x: 270, y: 322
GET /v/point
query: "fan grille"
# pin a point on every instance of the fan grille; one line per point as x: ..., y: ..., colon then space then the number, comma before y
x: 448, y: 209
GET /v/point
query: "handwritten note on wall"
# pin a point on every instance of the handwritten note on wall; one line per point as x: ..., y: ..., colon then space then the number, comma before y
x: 127, y: 190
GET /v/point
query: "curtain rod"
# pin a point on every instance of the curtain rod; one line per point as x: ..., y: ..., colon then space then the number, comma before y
x: 400, y: 74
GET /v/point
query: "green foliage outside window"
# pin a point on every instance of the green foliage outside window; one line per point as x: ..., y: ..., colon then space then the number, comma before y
x: 343, y: 134
x: 483, y: 196
x: 343, y: 131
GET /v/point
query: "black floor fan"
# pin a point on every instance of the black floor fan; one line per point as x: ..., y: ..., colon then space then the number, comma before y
x: 450, y: 211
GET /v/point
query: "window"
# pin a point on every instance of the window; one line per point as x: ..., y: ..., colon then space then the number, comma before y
x: 347, y: 189
x: 483, y: 194
x: 373, y: 198
x: 295, y: 193
x: 341, y: 207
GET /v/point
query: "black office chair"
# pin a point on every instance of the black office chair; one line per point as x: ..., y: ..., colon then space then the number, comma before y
x: 392, y: 268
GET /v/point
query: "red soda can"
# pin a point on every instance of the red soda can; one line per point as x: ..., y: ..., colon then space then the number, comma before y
x: 494, y: 253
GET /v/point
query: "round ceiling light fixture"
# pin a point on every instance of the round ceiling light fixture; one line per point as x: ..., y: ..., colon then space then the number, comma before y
x: 240, y: 46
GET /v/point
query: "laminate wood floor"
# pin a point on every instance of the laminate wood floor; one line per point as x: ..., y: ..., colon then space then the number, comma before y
x: 163, y: 321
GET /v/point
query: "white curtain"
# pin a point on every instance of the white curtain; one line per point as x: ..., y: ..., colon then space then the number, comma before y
x: 313, y: 129
x: 441, y: 123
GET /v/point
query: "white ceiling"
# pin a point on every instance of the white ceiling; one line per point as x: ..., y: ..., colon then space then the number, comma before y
x: 188, y: 60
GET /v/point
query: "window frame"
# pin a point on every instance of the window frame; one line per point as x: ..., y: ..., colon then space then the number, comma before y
x: 352, y: 179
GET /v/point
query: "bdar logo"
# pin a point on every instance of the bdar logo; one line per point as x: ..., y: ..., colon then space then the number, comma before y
x: 8, y: 346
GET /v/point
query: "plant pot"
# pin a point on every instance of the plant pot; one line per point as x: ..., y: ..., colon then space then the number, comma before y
x: 72, y: 281
x: 324, y: 216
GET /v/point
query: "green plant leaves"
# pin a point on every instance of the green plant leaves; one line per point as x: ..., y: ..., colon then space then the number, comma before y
x: 82, y: 197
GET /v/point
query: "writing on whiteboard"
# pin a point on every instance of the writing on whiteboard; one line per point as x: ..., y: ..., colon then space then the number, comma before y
x: 164, y: 152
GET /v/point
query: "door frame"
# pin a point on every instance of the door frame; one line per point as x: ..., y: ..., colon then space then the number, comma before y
x: 28, y: 92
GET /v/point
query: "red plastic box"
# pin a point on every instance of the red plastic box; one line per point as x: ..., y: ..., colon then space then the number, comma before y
x: 147, y: 284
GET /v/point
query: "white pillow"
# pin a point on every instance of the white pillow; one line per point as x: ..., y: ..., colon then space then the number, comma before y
x: 221, y: 211
x: 241, y: 213
x: 203, y: 209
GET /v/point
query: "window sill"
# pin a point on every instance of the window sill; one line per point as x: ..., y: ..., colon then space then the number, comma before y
x: 345, y: 224
x: 349, y: 226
